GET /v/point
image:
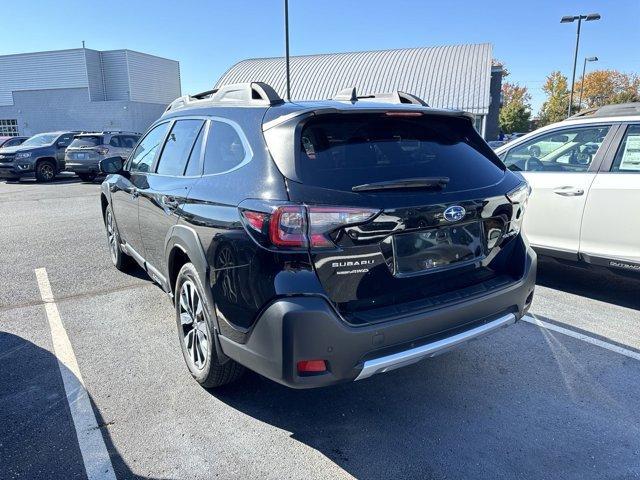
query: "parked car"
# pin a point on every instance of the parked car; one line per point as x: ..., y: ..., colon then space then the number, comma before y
x: 11, y: 141
x: 41, y: 156
x: 320, y: 242
x: 496, y: 143
x: 87, y: 149
x: 585, y: 176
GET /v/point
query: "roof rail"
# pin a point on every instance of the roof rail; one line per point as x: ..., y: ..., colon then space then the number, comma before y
x: 615, y: 110
x: 350, y: 95
x: 256, y: 93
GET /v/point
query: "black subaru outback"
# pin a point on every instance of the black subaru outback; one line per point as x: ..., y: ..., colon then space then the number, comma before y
x: 320, y: 242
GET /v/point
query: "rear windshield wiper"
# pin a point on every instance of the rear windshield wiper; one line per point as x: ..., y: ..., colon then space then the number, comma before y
x: 403, y: 184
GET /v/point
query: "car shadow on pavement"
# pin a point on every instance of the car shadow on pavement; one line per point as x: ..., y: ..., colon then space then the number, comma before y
x: 597, y: 284
x: 518, y: 404
x: 37, y: 433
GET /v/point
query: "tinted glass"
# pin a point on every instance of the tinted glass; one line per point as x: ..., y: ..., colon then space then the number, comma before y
x: 193, y: 167
x: 115, y: 141
x: 65, y: 139
x: 178, y: 147
x: 628, y: 156
x: 128, y: 141
x: 566, y: 150
x: 13, y: 142
x: 342, y: 151
x: 86, y: 141
x: 142, y: 158
x: 224, y: 150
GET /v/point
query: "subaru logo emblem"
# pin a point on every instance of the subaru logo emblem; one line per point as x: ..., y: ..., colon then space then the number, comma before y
x: 454, y: 213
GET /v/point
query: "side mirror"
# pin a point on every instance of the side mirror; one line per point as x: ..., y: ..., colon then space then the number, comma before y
x: 111, y: 165
x: 62, y: 144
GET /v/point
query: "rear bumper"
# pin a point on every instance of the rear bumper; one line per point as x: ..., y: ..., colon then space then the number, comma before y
x: 308, y: 328
x: 77, y: 167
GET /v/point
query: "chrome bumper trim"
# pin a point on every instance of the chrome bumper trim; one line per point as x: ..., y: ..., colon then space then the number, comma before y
x: 413, y: 355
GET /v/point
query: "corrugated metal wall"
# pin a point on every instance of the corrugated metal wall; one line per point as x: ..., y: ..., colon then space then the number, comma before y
x: 454, y: 76
x: 116, y: 74
x: 153, y: 79
x: 94, y: 75
x: 33, y: 71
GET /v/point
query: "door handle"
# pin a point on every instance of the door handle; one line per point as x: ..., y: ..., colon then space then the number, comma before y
x: 169, y: 202
x: 569, y: 191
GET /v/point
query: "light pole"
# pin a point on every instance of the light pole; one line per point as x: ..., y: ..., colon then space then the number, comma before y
x: 286, y: 46
x: 584, y: 66
x: 570, y: 19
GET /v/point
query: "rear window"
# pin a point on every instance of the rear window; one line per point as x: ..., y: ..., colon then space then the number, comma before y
x: 344, y: 150
x: 86, y: 141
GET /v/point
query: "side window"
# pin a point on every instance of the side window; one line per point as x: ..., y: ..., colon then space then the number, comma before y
x: 65, y: 139
x: 178, y: 147
x: 567, y: 150
x: 115, y: 141
x: 628, y: 156
x: 142, y: 158
x: 224, y: 149
x: 193, y: 166
x: 128, y: 141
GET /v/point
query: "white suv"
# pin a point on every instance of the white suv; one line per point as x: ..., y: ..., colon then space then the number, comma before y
x: 585, y: 178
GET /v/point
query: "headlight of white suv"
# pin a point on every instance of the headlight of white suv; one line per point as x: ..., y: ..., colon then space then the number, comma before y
x: 22, y: 155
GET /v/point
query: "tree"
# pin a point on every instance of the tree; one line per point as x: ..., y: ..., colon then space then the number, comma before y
x: 515, y: 112
x: 554, y: 109
x: 603, y: 87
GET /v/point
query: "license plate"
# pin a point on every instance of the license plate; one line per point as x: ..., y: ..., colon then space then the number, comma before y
x: 438, y: 248
x: 81, y: 156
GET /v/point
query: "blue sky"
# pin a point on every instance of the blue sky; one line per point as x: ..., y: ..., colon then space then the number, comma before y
x: 209, y: 36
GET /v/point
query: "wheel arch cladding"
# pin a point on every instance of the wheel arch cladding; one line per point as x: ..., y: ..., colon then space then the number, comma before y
x: 182, y: 246
x: 47, y: 159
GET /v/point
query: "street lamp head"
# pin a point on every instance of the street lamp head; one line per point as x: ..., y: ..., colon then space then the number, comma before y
x: 568, y: 19
x: 591, y: 59
x: 593, y: 16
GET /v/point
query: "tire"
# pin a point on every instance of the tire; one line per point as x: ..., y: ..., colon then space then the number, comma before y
x: 45, y: 171
x: 196, y: 333
x: 87, y: 177
x: 120, y: 260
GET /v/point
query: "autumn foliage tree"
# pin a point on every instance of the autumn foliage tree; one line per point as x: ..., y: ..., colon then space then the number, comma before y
x: 603, y: 87
x: 555, y: 107
x: 515, y: 111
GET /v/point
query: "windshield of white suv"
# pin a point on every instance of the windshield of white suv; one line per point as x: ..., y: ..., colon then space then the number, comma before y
x: 40, y: 140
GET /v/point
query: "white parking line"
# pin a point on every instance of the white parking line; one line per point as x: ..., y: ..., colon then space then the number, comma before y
x: 96, y: 459
x: 580, y: 336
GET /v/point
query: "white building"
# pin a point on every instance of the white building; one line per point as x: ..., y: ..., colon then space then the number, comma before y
x: 83, y: 89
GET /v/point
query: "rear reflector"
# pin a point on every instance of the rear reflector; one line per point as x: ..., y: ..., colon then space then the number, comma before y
x: 312, y: 366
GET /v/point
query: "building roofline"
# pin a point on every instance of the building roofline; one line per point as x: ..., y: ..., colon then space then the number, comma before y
x: 363, y: 51
x: 80, y: 49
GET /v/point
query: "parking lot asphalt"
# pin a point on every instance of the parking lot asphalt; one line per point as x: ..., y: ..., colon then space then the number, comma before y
x: 526, y: 402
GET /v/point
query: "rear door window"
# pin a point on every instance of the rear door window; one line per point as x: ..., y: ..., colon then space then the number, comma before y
x: 178, y: 147
x: 628, y: 156
x: 345, y: 150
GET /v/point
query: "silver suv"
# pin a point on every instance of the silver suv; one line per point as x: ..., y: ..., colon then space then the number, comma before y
x: 87, y: 149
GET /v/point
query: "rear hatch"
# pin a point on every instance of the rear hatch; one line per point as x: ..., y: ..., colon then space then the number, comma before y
x: 86, y: 149
x: 416, y: 206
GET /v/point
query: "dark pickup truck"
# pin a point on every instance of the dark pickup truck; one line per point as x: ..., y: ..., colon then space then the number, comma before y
x: 41, y: 156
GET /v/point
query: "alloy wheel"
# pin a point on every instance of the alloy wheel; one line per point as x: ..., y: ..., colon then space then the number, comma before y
x: 47, y: 172
x: 195, y: 334
x: 112, y: 237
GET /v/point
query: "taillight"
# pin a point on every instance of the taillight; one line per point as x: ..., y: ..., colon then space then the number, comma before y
x: 298, y: 227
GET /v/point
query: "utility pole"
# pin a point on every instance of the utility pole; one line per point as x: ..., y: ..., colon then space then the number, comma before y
x: 286, y: 45
x: 584, y: 67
